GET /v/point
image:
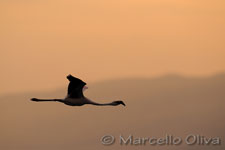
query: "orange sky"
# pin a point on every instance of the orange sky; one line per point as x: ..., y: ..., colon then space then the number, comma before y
x: 43, y: 41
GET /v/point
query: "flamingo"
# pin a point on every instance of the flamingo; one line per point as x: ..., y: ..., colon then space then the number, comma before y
x: 75, y: 96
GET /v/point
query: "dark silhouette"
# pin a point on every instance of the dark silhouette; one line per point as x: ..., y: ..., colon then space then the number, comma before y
x: 75, y: 95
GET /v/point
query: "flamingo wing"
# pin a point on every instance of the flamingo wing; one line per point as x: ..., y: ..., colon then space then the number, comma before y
x: 75, y: 87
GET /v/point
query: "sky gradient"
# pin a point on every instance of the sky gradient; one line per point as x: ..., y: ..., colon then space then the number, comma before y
x: 43, y: 41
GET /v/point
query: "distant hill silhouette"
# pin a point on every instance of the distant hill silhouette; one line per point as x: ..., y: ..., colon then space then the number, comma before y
x: 155, y: 107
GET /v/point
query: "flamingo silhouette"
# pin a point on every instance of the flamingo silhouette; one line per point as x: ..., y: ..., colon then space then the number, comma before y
x: 75, y: 96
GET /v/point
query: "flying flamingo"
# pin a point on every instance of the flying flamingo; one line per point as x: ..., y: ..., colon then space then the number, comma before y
x: 75, y: 96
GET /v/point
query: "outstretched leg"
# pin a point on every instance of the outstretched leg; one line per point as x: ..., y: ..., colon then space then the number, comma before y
x: 46, y: 100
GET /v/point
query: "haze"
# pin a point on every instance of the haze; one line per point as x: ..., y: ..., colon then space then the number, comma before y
x: 43, y: 41
x: 155, y: 107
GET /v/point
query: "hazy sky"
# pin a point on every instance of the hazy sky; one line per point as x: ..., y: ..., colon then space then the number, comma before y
x: 41, y: 41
